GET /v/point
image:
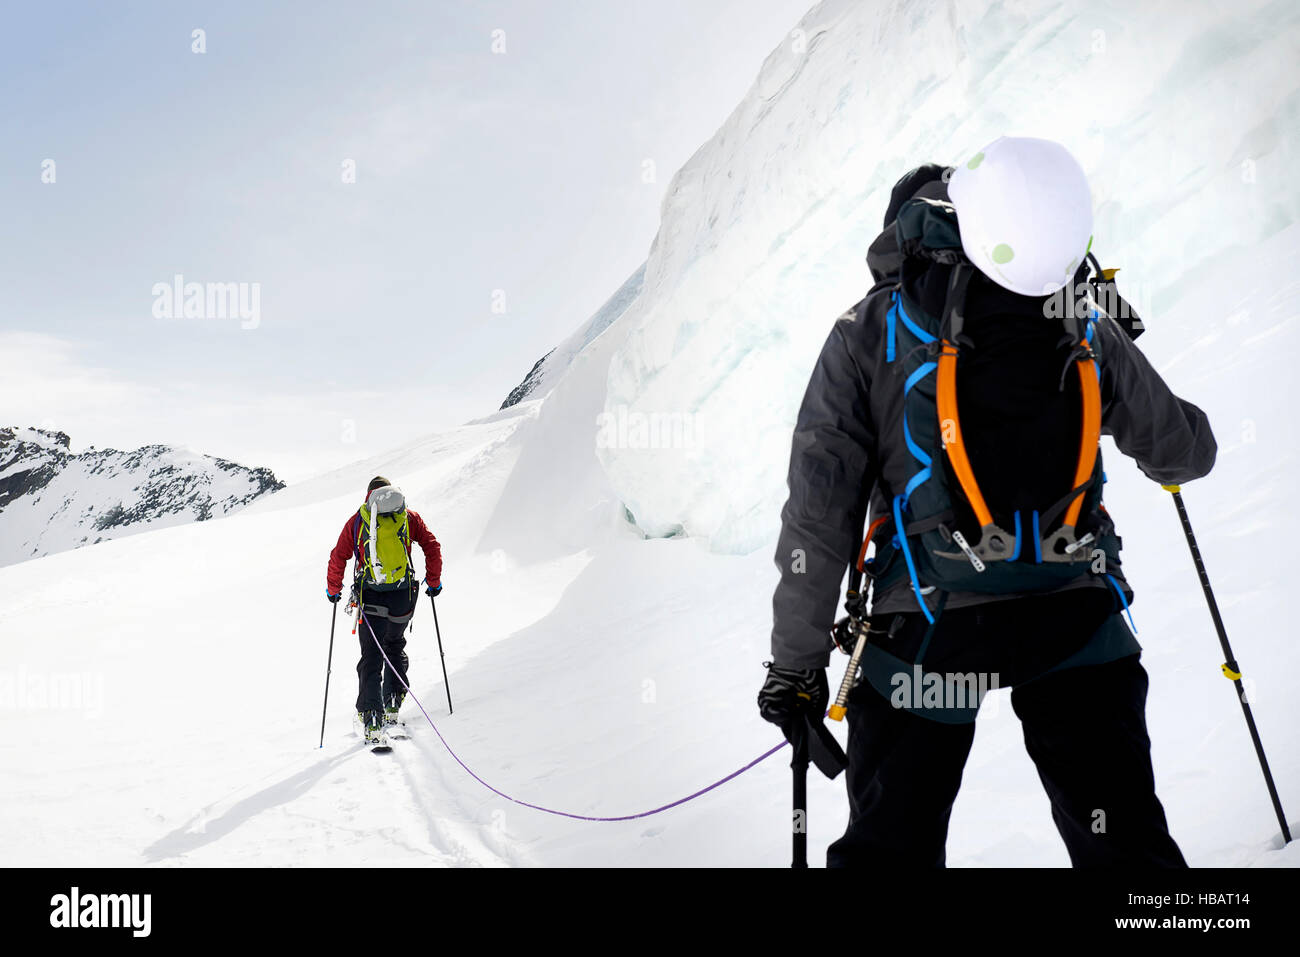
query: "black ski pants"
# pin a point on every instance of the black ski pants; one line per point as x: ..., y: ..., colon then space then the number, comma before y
x: 1084, y: 728
x: 386, y: 614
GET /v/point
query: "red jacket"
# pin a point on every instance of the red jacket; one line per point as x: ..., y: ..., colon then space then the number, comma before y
x: 346, y: 548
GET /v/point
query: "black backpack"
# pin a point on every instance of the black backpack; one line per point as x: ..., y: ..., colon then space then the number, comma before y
x: 941, y: 532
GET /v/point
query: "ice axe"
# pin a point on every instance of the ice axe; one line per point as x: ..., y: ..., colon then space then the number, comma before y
x: 851, y: 632
x: 856, y: 630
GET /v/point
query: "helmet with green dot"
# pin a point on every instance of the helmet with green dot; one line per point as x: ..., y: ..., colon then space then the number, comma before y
x: 1024, y: 211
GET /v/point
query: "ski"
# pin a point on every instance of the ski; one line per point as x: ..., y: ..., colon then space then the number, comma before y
x: 378, y: 742
x: 394, y: 726
x: 381, y: 740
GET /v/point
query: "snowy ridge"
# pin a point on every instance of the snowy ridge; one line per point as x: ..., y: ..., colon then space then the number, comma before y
x: 544, y: 373
x: 52, y: 500
x: 765, y: 229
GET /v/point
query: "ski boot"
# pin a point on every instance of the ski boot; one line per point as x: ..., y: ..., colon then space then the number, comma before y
x: 393, y: 724
x: 372, y: 725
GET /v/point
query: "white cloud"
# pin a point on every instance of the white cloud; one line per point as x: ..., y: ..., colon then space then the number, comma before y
x: 49, y: 383
x: 54, y: 383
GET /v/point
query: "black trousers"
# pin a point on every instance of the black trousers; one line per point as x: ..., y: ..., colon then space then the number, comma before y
x: 1084, y: 728
x: 379, y: 684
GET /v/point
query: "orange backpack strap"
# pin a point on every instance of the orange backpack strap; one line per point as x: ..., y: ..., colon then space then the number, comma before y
x: 992, y: 544
x: 950, y: 432
x: 1090, y: 435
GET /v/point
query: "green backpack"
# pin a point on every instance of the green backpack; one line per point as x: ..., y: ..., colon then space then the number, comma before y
x: 384, y: 542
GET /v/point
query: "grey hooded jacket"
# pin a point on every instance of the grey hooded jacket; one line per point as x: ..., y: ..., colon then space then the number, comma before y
x: 849, y: 456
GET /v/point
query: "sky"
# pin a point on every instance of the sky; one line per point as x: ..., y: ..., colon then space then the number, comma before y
x: 411, y: 202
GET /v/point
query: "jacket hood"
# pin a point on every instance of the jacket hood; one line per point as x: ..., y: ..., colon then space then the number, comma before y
x: 883, y: 256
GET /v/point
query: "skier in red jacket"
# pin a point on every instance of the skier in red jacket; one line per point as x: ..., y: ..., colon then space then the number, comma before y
x: 384, y: 610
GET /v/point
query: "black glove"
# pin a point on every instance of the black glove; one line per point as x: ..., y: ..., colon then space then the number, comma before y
x: 789, y: 693
x: 334, y: 599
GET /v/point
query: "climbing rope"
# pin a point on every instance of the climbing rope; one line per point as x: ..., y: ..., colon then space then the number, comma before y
x: 547, y: 810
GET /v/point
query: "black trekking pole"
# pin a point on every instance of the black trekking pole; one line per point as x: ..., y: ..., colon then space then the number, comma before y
x: 799, y: 814
x: 1231, y: 669
x: 329, y: 664
x: 445, y: 683
x: 812, y: 744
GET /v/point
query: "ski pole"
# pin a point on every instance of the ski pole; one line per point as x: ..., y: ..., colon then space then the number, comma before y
x: 438, y: 631
x: 329, y: 664
x: 1231, y: 669
x: 799, y: 815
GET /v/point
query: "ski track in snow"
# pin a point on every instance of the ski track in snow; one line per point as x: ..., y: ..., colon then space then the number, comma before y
x: 389, y: 797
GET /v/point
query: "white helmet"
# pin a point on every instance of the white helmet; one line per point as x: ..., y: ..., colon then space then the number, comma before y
x: 1025, y: 213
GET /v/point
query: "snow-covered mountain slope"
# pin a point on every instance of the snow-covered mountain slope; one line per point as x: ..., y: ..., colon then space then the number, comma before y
x: 602, y: 677
x: 1184, y: 118
x: 547, y: 370
x: 52, y: 499
x: 600, y: 673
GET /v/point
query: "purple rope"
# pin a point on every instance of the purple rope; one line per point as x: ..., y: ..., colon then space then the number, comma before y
x: 547, y: 810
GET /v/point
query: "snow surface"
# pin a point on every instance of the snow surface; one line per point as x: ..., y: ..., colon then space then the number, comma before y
x: 601, y: 672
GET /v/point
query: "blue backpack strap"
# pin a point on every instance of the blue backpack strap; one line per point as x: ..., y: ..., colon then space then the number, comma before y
x: 896, y: 313
x: 1089, y: 334
x: 1016, y: 553
x: 918, y: 453
x: 900, y: 536
x: 891, y: 329
x: 1123, y: 601
x: 929, y: 632
x: 912, y: 327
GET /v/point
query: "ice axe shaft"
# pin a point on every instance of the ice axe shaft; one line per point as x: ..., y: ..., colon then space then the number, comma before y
x: 841, y: 706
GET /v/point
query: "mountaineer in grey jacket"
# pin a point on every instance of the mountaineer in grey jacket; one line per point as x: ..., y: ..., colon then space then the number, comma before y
x: 1065, y: 650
